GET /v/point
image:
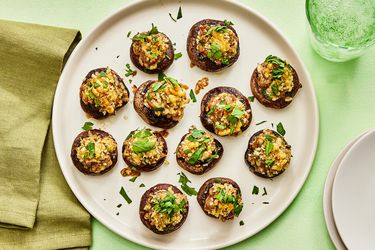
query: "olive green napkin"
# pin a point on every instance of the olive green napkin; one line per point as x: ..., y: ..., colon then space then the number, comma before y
x: 37, y: 208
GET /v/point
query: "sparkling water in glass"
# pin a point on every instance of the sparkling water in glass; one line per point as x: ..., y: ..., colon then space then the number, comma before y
x: 341, y: 30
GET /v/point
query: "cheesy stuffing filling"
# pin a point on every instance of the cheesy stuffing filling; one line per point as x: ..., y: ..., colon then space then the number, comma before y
x: 167, y: 98
x: 105, y: 91
x: 270, y: 154
x: 223, y: 200
x: 227, y: 114
x: 218, y: 43
x: 165, y: 208
x: 142, y: 147
x: 275, y: 78
x: 197, y: 147
x: 94, y: 152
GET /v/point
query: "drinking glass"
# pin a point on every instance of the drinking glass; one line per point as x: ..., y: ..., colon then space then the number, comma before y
x: 341, y: 30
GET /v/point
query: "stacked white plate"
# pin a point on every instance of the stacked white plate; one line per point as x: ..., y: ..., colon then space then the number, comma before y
x: 349, y: 195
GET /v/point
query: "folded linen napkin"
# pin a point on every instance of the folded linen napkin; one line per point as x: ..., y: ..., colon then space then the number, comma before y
x: 37, y: 208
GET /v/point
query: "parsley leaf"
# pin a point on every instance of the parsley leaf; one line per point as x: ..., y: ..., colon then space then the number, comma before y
x: 153, y: 30
x: 125, y: 195
x: 157, y: 86
x: 255, y: 190
x: 87, y: 126
x: 128, y: 35
x: 144, y: 133
x: 142, y: 185
x: 242, y: 223
x: 226, y: 22
x: 169, y: 205
x: 280, y: 129
x: 129, y: 71
x: 196, y: 134
x: 184, y: 184
x: 260, y: 123
x: 197, y: 155
x: 269, y: 147
x: 171, y: 79
x: 91, y: 148
x: 177, y: 55
x: 161, y: 76
x: 212, y: 110
x: 170, y: 15
x: 275, y: 60
x: 269, y: 162
x: 251, y: 98
x: 192, y: 96
x: 133, y: 178
x: 143, y: 145
x: 264, y: 191
x: 179, y: 14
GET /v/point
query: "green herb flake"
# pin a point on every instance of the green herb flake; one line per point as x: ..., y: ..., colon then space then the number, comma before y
x: 264, y: 191
x: 280, y: 129
x: 157, y: 86
x: 129, y: 71
x: 125, y: 195
x: 275, y: 60
x: 170, y: 15
x: 96, y: 85
x: 161, y: 76
x: 269, y: 162
x: 251, y: 98
x: 129, y: 33
x: 105, y: 84
x: 260, y: 123
x: 197, y: 155
x: 179, y: 14
x: 158, y: 108
x: 277, y: 73
x: 102, y: 74
x: 269, y: 147
x: 184, y: 184
x: 242, y: 223
x: 225, y: 61
x: 143, y: 145
x: 168, y: 205
x: 265, y: 202
x: 133, y: 178
x: 142, y: 185
x: 222, y: 102
x: 237, y: 207
x: 87, y: 126
x: 237, y: 112
x: 219, y: 126
x: 215, y: 51
x: 226, y: 22
x: 212, y: 110
x: 91, y: 149
x: 268, y: 137
x: 144, y: 133
x: 153, y: 30
x: 171, y: 79
x: 192, y: 96
x: 119, y: 205
x: 196, y: 134
x: 177, y: 55
x: 255, y: 190
x: 275, y: 89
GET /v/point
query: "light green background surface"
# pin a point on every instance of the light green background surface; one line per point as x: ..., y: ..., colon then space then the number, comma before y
x: 346, y: 97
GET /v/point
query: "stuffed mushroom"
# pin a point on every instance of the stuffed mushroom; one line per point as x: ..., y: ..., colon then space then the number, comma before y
x: 268, y: 154
x: 225, y: 111
x: 213, y: 45
x: 198, y: 151
x: 151, y: 51
x: 94, y: 152
x: 102, y: 93
x: 144, y: 149
x: 163, y: 208
x: 220, y: 198
x: 161, y: 103
x: 274, y: 83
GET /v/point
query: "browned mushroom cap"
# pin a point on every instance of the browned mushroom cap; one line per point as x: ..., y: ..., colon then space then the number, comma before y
x: 143, y: 212
x: 214, y: 92
x: 144, y: 166
x: 203, y: 194
x: 91, y: 109
x: 261, y: 169
x: 200, y: 167
x: 164, y: 64
x: 285, y: 98
x: 77, y: 143
x: 200, y: 59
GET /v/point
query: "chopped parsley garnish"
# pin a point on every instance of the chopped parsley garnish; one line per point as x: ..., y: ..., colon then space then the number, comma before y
x: 184, y: 184
x: 91, y: 149
x: 141, y: 36
x: 265, y: 202
x: 197, y: 155
x: 102, y: 74
x: 129, y: 33
x: 219, y: 126
x: 264, y: 191
x: 196, y: 134
x: 133, y: 178
x: 119, y: 205
x: 153, y: 30
x: 226, y: 22
x: 105, y: 84
x: 143, y: 145
x: 157, y: 86
x: 280, y: 129
x: 161, y: 76
x: 217, y: 28
x: 269, y: 162
x: 142, y: 185
x: 269, y: 147
x: 171, y: 79
x: 237, y: 112
x: 125, y: 195
x: 158, y: 108
x: 177, y: 55
x: 129, y: 71
x: 168, y: 205
x: 170, y: 15
x: 215, y: 51
x: 275, y: 60
x: 225, y: 61
x: 255, y: 190
x: 222, y: 102
x: 277, y: 73
x: 212, y: 110
x: 268, y: 137
x: 96, y: 85
x: 242, y: 223
x: 237, y: 208
x: 144, y: 133
x: 179, y: 14
x: 275, y: 89
x: 223, y: 197
x: 87, y: 126
x: 260, y: 123
x: 192, y: 96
